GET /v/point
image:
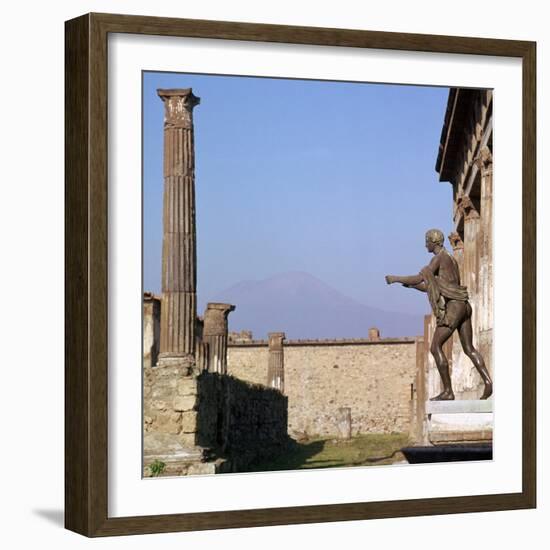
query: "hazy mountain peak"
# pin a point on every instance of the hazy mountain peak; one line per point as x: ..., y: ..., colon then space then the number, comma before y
x: 304, y: 306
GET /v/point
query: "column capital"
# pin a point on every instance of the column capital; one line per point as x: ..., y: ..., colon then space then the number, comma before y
x: 456, y: 241
x: 276, y: 340
x: 484, y: 160
x: 467, y: 208
x: 178, y: 107
x: 215, y: 318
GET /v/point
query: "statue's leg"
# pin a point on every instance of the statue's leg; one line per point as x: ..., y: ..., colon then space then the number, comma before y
x: 441, y: 335
x: 465, y: 332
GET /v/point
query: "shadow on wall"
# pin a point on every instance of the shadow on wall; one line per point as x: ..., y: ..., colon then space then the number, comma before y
x: 240, y: 422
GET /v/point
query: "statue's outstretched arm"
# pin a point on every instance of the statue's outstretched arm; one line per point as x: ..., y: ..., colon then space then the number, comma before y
x: 407, y: 280
x: 414, y: 281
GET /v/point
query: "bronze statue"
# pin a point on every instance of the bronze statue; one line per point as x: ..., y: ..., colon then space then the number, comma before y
x: 449, y: 301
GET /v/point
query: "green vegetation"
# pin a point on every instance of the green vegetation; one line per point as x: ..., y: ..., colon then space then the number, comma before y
x: 157, y: 468
x: 362, y: 450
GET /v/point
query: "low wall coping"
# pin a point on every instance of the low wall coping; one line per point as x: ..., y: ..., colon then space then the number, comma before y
x: 332, y: 342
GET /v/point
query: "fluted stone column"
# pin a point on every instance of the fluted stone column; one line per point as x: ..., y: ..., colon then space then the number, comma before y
x: 471, y: 253
x: 466, y: 381
x: 485, y: 308
x: 485, y: 164
x: 453, y: 346
x: 215, y: 335
x: 275, y: 367
x: 179, y: 256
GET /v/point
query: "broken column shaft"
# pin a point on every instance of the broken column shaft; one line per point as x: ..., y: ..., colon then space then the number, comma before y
x: 215, y: 335
x: 275, y: 367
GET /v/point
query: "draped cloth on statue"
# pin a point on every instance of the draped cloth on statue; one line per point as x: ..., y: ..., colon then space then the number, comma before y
x: 439, y: 291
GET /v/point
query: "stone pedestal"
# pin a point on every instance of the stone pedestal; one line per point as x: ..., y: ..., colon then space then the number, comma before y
x: 461, y: 421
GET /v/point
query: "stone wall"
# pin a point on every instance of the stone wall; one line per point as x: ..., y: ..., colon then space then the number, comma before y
x: 170, y: 421
x: 372, y: 378
x: 209, y: 423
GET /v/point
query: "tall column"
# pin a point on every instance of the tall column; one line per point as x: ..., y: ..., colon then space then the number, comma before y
x: 215, y: 335
x: 453, y: 347
x: 485, y: 164
x: 466, y: 381
x: 420, y: 395
x: 472, y: 224
x: 485, y: 310
x: 275, y: 366
x: 179, y: 255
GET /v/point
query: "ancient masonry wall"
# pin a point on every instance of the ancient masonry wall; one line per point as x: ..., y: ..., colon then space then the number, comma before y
x: 170, y: 422
x: 243, y: 422
x: 209, y: 423
x: 374, y: 379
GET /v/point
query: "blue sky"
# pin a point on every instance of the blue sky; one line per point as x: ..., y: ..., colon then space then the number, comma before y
x: 335, y: 179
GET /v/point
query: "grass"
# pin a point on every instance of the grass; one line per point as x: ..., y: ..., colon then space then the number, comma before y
x: 362, y: 450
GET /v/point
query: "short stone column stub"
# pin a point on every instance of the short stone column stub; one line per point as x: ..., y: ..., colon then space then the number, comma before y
x: 343, y: 423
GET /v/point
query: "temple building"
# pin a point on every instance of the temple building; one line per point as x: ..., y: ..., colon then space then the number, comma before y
x: 465, y: 161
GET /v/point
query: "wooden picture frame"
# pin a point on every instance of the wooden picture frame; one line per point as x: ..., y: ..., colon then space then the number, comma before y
x: 86, y: 294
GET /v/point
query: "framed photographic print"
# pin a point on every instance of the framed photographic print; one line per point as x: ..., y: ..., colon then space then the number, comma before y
x: 300, y: 281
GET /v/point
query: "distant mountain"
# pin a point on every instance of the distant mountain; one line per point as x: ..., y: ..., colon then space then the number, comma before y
x: 302, y: 306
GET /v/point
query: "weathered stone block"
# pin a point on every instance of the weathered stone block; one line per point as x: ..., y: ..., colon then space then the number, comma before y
x: 159, y: 405
x: 202, y: 468
x: 184, y: 403
x: 189, y: 421
x: 188, y: 439
x: 186, y: 386
x: 169, y: 423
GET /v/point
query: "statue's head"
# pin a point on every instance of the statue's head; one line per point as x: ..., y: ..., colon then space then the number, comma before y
x: 434, y: 237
